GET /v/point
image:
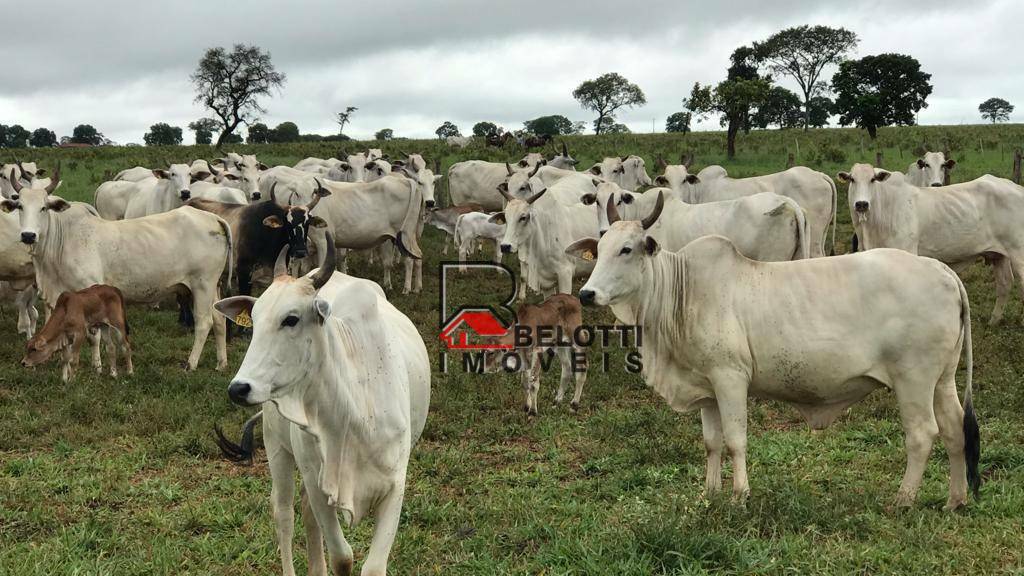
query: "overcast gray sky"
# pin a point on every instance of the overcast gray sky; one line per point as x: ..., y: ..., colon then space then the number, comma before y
x: 409, y: 65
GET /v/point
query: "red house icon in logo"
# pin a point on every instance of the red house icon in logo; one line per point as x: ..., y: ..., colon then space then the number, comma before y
x: 470, y: 326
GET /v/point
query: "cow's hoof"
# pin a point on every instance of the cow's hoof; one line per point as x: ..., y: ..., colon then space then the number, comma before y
x: 574, y: 405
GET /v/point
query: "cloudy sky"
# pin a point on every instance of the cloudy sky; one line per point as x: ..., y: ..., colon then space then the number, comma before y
x: 409, y: 65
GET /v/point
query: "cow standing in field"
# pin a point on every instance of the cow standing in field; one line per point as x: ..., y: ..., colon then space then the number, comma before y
x: 344, y: 381
x: 930, y: 170
x: 476, y: 181
x: 471, y: 228
x: 444, y: 219
x: 96, y: 310
x: 560, y: 312
x: 955, y: 224
x: 765, y: 227
x: 25, y: 173
x: 629, y: 172
x: 719, y: 328
x: 143, y: 257
x: 162, y: 191
x: 813, y: 191
x: 17, y: 272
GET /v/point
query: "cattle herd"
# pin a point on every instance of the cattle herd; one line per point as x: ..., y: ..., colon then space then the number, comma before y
x: 724, y: 275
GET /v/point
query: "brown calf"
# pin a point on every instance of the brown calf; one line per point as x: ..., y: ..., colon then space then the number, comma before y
x: 560, y: 314
x: 91, y: 313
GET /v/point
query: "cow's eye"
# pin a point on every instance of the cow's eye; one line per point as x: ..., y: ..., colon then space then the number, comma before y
x: 43, y: 209
x: 625, y: 250
x: 290, y: 320
x: 524, y: 218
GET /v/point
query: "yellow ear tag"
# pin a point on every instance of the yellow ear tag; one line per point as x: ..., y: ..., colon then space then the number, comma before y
x: 588, y: 255
x: 243, y: 319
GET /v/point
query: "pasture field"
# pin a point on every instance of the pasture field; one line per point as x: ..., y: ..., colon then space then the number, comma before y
x: 122, y: 477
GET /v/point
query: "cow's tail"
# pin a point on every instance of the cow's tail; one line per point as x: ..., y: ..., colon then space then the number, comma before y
x: 407, y: 240
x: 835, y: 210
x: 803, y: 237
x: 972, y: 435
x: 231, y: 256
x: 245, y: 449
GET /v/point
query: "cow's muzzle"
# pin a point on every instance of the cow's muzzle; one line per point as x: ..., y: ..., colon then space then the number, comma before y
x: 238, y: 391
x: 28, y: 237
x: 506, y: 248
x: 256, y: 196
x: 430, y: 203
x: 185, y: 195
x: 587, y: 297
x: 936, y: 184
x: 861, y: 206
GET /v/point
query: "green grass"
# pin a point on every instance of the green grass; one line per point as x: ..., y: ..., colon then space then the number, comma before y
x: 122, y: 477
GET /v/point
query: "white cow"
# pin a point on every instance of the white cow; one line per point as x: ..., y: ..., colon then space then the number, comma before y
x: 344, y: 380
x: 146, y: 258
x: 541, y: 227
x: 471, y: 228
x: 375, y: 154
x: 26, y: 173
x: 244, y: 173
x: 164, y: 190
x: 765, y: 227
x: 719, y: 328
x: 135, y: 174
x: 458, y: 141
x: 476, y: 181
x: 16, y: 271
x: 955, y: 224
x: 218, y: 193
x: 813, y: 191
x: 932, y: 169
x: 563, y: 160
x: 629, y: 172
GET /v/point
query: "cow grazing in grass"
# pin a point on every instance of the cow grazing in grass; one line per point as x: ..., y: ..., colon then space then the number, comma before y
x: 560, y: 313
x: 719, y: 328
x: 96, y: 310
x: 344, y: 381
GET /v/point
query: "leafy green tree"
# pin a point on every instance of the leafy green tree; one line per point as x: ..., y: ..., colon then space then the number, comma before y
x: 447, y: 129
x: 204, y: 129
x: 484, y: 129
x: 285, y: 132
x: 232, y: 138
x: 384, y: 134
x: 781, y: 108
x: 616, y: 128
x: 344, y: 118
x: 16, y: 136
x: 555, y: 125
x: 43, y: 138
x: 734, y: 99
x: 86, y: 134
x: 802, y: 53
x: 230, y: 84
x: 882, y: 90
x: 678, y: 122
x: 259, y: 133
x: 606, y: 94
x: 162, y: 134
x: 819, y: 108
x: 996, y: 110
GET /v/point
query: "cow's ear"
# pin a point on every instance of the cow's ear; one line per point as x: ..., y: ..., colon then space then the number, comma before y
x: 584, y: 248
x: 948, y: 165
x: 589, y: 198
x: 882, y: 176
x: 625, y: 198
x: 503, y: 187
x: 396, y: 168
x: 692, y: 179
x: 57, y: 204
x: 661, y: 181
x: 9, y: 205
x: 651, y: 246
x: 42, y: 171
x: 262, y: 166
x: 164, y: 174
x: 921, y: 163
x: 595, y: 170
x: 437, y: 177
x: 523, y: 164
x: 317, y: 222
x: 595, y: 182
x: 322, y: 307
x: 200, y: 176
x: 238, y: 309
x: 497, y: 218
x: 272, y: 222
x: 844, y: 177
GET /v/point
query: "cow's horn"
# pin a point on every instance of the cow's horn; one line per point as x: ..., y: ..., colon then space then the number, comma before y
x: 509, y: 168
x: 273, y: 195
x: 54, y: 180
x: 660, y: 164
x: 15, y: 182
x: 536, y: 168
x: 316, y: 195
x: 404, y: 153
x: 565, y: 149
x: 613, y: 212
x: 653, y: 216
x: 212, y: 169
x: 327, y: 268
x: 22, y: 168
x: 281, y: 266
x: 687, y: 159
x: 534, y: 198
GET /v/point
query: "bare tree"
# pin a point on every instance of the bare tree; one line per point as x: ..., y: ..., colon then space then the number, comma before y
x: 344, y: 118
x: 230, y: 84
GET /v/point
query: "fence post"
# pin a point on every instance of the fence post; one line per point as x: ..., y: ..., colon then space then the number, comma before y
x: 789, y: 161
x: 1016, y: 166
x: 878, y: 159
